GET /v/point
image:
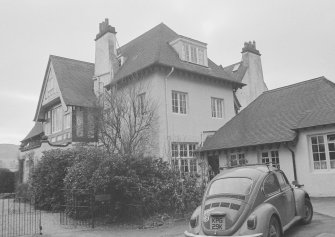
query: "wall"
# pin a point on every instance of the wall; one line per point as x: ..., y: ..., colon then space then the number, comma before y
x: 253, y: 79
x: 188, y: 127
x: 317, y: 183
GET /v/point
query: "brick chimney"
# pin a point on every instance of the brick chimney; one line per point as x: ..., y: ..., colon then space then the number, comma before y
x: 250, y: 47
x: 106, y: 63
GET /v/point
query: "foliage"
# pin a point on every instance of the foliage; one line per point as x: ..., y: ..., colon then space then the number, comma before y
x: 22, y: 190
x: 47, y: 179
x: 126, y: 119
x: 7, y: 181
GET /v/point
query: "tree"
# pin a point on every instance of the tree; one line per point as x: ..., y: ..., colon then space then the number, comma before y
x: 126, y: 118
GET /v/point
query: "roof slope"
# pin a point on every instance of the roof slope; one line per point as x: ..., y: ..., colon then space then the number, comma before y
x: 239, y: 73
x: 75, y: 80
x: 153, y: 48
x: 275, y: 115
x: 36, y: 130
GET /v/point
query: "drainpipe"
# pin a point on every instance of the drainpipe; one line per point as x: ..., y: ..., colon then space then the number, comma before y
x: 293, y: 161
x: 166, y: 108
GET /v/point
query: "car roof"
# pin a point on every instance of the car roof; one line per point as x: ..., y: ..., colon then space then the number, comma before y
x: 253, y: 172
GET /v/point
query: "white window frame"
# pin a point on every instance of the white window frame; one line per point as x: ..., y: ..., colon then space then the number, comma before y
x: 217, y: 107
x: 67, y: 120
x: 193, y: 54
x: 56, y: 119
x: 328, y: 163
x: 272, y: 157
x: 179, y: 102
x: 183, y: 156
x: 141, y: 103
x: 239, y: 157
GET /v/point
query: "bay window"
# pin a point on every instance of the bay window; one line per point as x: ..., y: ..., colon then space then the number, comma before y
x: 323, y: 151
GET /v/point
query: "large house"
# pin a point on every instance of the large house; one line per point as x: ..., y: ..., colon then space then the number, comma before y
x: 292, y: 127
x: 194, y: 95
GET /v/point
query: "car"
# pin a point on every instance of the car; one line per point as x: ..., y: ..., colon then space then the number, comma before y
x: 253, y: 200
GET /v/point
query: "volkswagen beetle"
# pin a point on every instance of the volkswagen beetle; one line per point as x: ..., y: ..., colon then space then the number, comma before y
x: 250, y: 201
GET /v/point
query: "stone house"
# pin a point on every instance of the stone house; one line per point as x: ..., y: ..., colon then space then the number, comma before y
x: 194, y: 95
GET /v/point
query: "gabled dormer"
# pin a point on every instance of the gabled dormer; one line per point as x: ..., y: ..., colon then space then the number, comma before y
x: 190, y: 50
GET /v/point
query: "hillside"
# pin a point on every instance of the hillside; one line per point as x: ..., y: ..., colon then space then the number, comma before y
x: 8, y: 156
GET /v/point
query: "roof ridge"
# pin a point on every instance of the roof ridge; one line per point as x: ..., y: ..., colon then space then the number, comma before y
x: 159, y: 26
x: 296, y: 84
x: 70, y: 59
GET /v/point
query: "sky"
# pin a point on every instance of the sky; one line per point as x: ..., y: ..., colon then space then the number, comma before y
x: 295, y: 37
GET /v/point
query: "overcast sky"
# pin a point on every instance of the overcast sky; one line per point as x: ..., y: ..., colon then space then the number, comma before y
x: 296, y: 40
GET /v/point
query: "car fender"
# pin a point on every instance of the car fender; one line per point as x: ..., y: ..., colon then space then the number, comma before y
x: 195, y: 215
x: 299, y: 195
x: 263, y: 212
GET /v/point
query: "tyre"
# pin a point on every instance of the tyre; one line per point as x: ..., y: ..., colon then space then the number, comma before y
x: 274, y: 229
x: 308, y: 212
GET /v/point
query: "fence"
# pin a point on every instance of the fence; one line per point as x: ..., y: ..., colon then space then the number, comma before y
x: 18, y: 216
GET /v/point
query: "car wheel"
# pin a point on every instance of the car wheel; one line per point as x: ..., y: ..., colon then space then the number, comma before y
x: 274, y: 228
x: 308, y: 212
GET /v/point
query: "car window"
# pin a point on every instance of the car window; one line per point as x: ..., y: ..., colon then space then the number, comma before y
x: 271, y: 184
x: 241, y: 186
x: 283, y: 183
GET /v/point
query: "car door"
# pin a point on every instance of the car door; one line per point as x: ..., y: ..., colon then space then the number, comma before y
x: 274, y: 196
x: 288, y: 195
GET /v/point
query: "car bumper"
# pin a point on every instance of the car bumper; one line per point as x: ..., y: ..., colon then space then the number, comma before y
x: 188, y: 234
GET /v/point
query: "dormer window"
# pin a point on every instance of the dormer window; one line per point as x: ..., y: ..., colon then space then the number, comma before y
x: 190, y: 50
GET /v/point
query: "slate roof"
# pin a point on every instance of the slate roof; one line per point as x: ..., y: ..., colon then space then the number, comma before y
x: 35, y: 131
x: 153, y: 48
x: 239, y: 73
x: 277, y: 115
x: 75, y: 81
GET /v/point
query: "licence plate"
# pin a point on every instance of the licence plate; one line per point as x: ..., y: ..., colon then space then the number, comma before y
x: 217, y: 223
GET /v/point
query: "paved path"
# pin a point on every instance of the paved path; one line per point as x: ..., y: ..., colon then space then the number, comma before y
x: 325, y: 206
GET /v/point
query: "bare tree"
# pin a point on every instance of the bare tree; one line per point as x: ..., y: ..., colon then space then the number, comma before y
x: 127, y: 118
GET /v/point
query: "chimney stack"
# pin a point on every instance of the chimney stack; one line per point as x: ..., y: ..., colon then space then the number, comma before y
x: 104, y: 28
x: 106, y: 62
x: 250, y: 47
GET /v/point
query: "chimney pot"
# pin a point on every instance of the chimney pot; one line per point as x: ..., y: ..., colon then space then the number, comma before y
x: 104, y: 28
x: 250, y: 47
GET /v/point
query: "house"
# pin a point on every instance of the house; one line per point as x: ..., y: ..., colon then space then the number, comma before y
x: 292, y: 127
x: 194, y: 95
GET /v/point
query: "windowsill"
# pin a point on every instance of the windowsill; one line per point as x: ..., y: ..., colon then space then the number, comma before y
x: 180, y: 114
x: 217, y: 118
x: 325, y: 171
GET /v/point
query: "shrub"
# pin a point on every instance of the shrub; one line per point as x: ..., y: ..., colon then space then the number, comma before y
x: 47, y: 179
x: 22, y: 191
x: 7, y: 181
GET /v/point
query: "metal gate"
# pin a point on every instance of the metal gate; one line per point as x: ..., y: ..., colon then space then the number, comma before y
x: 18, y: 216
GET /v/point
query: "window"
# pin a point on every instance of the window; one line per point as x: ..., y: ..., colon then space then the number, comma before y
x: 217, y: 107
x: 193, y: 54
x: 323, y: 151
x: 67, y: 121
x: 283, y: 182
x: 271, y: 158
x: 271, y: 185
x: 183, y: 157
x: 47, y: 125
x: 56, y: 119
x: 79, y: 122
x: 237, y: 159
x: 141, y: 103
x: 179, y: 102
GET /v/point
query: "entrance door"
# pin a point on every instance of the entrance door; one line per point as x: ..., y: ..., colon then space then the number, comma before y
x: 214, y: 167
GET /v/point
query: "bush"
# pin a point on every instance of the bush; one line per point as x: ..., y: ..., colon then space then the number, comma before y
x: 7, y: 181
x: 47, y: 179
x: 22, y: 191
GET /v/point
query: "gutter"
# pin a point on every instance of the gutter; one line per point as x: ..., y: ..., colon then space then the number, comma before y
x: 293, y: 162
x: 166, y: 106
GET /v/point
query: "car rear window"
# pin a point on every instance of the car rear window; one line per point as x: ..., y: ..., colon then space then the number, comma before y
x: 241, y: 186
